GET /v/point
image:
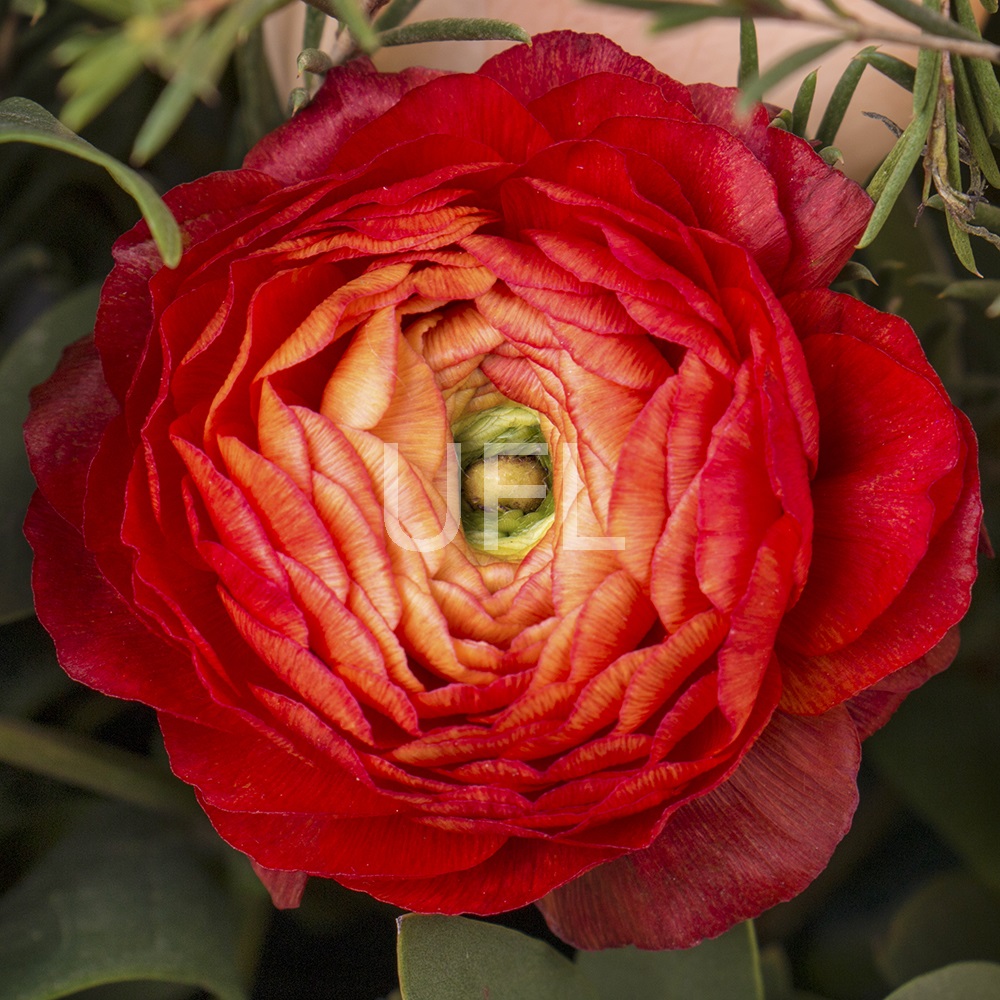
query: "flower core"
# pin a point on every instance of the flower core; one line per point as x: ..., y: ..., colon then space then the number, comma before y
x: 506, y: 471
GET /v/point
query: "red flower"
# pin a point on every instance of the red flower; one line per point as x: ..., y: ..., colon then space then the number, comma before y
x: 638, y: 703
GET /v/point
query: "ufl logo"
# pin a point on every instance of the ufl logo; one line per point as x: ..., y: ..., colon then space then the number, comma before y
x: 494, y: 488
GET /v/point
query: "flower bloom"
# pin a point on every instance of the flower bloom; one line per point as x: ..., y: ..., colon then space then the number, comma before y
x: 496, y: 505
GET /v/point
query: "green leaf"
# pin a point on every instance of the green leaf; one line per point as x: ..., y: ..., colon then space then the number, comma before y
x: 951, y: 918
x: 454, y: 29
x: 942, y: 752
x: 725, y: 968
x: 929, y: 20
x: 85, y: 763
x: 395, y: 14
x: 454, y: 958
x: 897, y: 70
x: 677, y: 13
x: 969, y: 112
x: 803, y: 105
x: 837, y: 106
x: 96, y: 76
x: 854, y: 270
x: 963, y: 981
x: 756, y: 89
x: 121, y: 898
x: 892, y: 175
x: 22, y: 120
x: 312, y: 29
x: 749, y: 63
x: 983, y: 74
x: 28, y: 361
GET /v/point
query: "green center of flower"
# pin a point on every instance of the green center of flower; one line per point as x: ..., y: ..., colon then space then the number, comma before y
x: 507, y: 499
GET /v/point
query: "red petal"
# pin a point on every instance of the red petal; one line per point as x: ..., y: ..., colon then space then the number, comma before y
x: 872, y: 709
x: 560, y: 57
x: 351, y: 96
x: 826, y: 212
x: 99, y: 641
x: 286, y: 888
x: 75, y: 396
x: 758, y: 839
x: 519, y: 873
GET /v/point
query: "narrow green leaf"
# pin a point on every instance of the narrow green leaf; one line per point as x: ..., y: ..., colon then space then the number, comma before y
x: 756, y: 89
x: 122, y: 898
x: 725, y: 968
x: 963, y: 981
x: 454, y: 958
x: 312, y: 29
x: 198, y: 73
x: 983, y: 75
x: 962, y: 245
x: 957, y: 233
x: 892, y: 175
x: 22, y: 120
x: 395, y: 14
x: 929, y: 20
x: 108, y: 771
x: 98, y: 77
x: 837, y: 106
x: 988, y: 215
x: 29, y: 8
x: 895, y: 69
x: 854, y: 270
x: 454, y: 29
x: 981, y: 291
x: 28, y: 361
x: 111, y: 10
x: 926, y: 80
x: 803, y: 105
x: 749, y: 61
x: 677, y: 13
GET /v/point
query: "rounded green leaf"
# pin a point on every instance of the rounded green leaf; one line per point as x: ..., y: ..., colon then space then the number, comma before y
x: 952, y: 918
x: 122, y: 897
x: 964, y: 981
x: 454, y: 958
x: 725, y: 968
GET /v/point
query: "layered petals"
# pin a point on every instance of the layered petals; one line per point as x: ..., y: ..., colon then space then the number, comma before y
x: 725, y: 519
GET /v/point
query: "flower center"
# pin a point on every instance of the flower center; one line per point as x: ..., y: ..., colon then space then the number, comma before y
x: 507, y: 500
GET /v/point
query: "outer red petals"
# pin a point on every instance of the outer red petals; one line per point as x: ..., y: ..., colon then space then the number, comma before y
x: 286, y: 888
x: 756, y: 840
x: 250, y: 505
x: 561, y: 57
x: 352, y: 96
x: 826, y: 211
x: 511, y: 878
x: 76, y: 396
x: 99, y: 640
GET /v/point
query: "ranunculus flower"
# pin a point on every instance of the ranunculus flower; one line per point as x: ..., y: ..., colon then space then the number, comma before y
x: 706, y: 523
